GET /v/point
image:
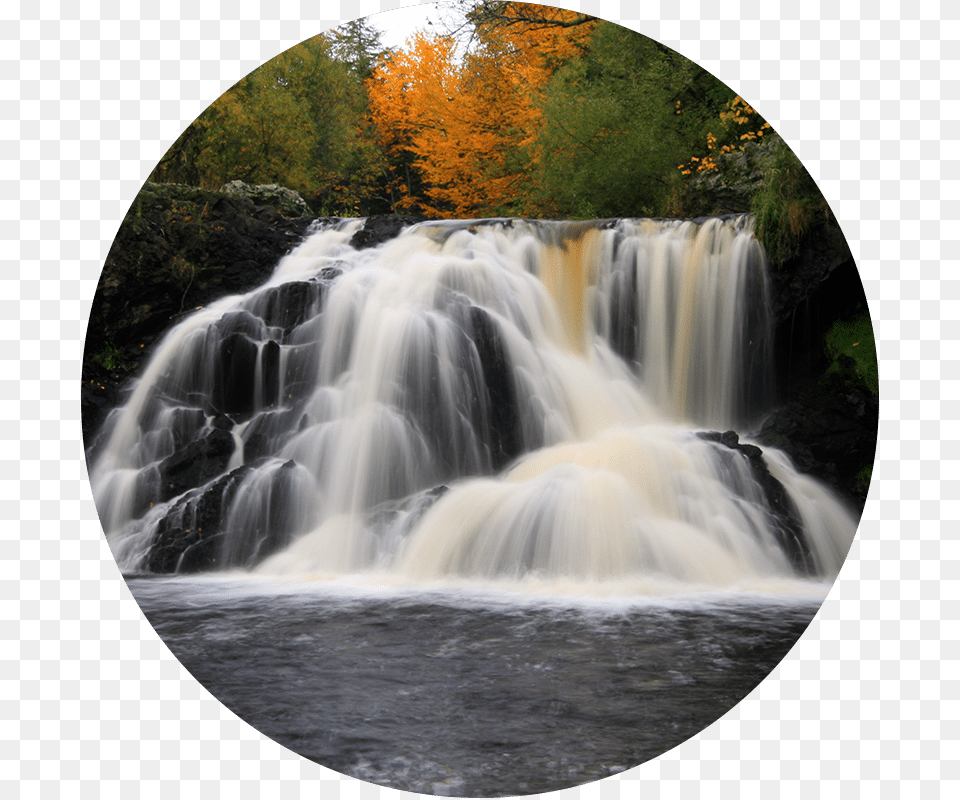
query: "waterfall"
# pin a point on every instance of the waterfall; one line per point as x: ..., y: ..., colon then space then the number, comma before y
x: 487, y: 399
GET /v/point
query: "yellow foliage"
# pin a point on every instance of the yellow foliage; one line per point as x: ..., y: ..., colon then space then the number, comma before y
x: 740, y: 124
x: 469, y: 123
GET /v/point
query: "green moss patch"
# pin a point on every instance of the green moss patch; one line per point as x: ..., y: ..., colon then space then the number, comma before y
x: 852, y: 351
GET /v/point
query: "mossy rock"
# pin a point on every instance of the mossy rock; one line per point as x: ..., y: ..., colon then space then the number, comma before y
x: 286, y: 201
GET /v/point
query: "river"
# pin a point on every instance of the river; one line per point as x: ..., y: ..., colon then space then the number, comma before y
x: 472, y: 693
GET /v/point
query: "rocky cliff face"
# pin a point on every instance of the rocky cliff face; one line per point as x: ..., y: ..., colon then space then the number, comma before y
x: 178, y: 248
x: 827, y: 415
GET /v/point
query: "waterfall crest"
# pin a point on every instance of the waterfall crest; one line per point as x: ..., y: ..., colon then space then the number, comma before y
x: 483, y: 399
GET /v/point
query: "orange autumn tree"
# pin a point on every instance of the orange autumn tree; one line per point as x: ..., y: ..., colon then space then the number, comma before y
x: 411, y: 95
x: 461, y: 129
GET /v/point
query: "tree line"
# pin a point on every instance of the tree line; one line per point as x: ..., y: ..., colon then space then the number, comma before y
x: 518, y: 110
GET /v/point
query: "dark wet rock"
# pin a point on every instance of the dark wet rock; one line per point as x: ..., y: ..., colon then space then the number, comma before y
x: 624, y: 314
x: 199, y: 462
x: 274, y: 520
x: 302, y: 364
x: 803, y: 276
x: 829, y: 431
x: 219, y: 420
x: 270, y: 373
x: 812, y: 291
x: 188, y: 537
x: 268, y: 432
x: 825, y: 422
x: 184, y: 424
x: 234, y: 374
x: 788, y: 527
x: 239, y: 322
x: 382, y: 228
x: 401, y: 516
x: 502, y: 420
x: 289, y: 304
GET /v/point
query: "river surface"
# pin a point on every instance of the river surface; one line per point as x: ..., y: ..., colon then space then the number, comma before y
x: 471, y: 693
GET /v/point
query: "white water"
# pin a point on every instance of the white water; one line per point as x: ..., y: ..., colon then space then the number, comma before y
x: 549, y: 375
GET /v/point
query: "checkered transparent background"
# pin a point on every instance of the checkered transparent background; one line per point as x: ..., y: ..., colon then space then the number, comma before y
x: 91, y: 96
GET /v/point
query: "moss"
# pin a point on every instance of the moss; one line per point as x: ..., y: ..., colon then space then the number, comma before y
x: 787, y: 203
x: 852, y: 352
x: 110, y: 357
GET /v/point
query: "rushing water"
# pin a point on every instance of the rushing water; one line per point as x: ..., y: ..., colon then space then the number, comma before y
x: 471, y: 694
x: 474, y: 400
x: 452, y: 498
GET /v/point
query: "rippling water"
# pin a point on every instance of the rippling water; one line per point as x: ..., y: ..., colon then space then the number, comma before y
x: 450, y: 692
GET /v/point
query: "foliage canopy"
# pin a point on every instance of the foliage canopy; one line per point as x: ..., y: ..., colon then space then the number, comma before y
x: 520, y: 110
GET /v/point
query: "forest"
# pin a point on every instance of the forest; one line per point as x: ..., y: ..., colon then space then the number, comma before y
x: 518, y: 110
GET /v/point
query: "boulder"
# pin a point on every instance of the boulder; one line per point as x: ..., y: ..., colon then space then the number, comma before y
x: 286, y: 201
x: 399, y: 517
x: 188, y: 537
x: 783, y: 512
x: 381, y: 228
x: 200, y: 461
x: 829, y: 430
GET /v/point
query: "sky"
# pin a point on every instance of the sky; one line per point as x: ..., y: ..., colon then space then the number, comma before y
x: 400, y: 23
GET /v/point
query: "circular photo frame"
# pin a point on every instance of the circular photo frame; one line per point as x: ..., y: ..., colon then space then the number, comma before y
x: 484, y: 414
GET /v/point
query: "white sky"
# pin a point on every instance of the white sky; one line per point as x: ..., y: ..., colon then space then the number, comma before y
x: 400, y: 23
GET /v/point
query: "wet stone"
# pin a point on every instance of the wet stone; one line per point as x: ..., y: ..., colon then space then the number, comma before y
x: 199, y: 462
x: 234, y: 374
x: 189, y: 537
x: 788, y: 526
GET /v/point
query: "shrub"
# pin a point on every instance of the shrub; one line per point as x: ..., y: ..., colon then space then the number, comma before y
x: 787, y: 203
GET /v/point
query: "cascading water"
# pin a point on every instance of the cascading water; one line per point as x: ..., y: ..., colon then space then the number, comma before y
x: 493, y: 400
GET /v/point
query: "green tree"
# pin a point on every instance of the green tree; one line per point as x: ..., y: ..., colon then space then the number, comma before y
x: 359, y: 45
x: 300, y: 120
x: 617, y: 121
x: 257, y: 132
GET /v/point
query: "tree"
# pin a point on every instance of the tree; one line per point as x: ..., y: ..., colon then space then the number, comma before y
x: 462, y: 129
x: 410, y: 96
x: 518, y: 110
x: 612, y: 134
x: 245, y: 139
x: 300, y: 120
x: 522, y: 18
x: 358, y: 45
